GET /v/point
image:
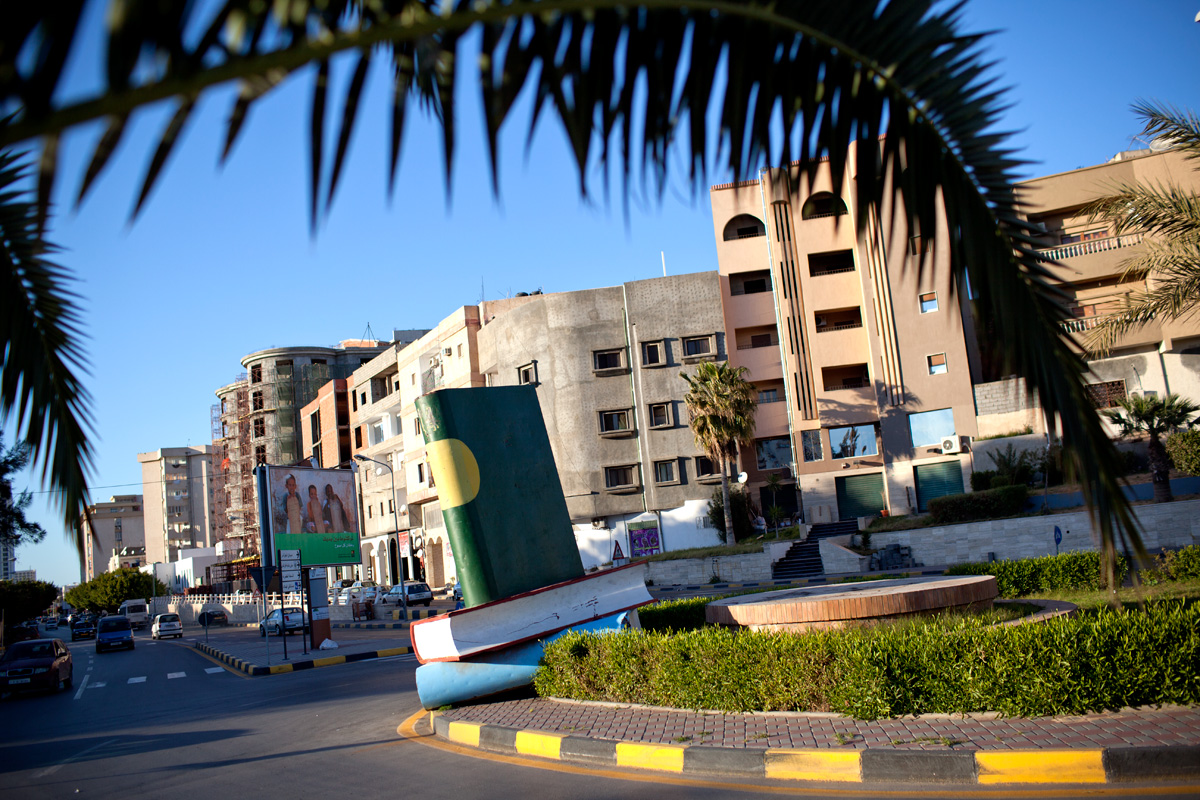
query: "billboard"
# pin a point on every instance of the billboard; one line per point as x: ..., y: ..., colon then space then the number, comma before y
x: 310, y: 510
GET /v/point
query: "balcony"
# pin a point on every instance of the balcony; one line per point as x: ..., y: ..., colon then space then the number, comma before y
x: 1092, y: 258
x: 1078, y: 330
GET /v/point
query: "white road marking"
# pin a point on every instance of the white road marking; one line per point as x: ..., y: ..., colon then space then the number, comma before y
x: 76, y: 757
x: 136, y: 680
x: 214, y: 670
x: 99, y: 685
x: 171, y: 675
x: 82, y: 686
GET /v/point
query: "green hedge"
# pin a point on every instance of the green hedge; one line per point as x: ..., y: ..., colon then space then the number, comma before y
x: 1045, y: 574
x: 1106, y: 660
x: 684, y: 614
x: 1174, y: 565
x: 1003, y: 502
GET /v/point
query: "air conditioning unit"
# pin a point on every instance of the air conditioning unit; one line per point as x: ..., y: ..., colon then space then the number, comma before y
x: 951, y: 444
x: 447, y: 351
x: 598, y: 523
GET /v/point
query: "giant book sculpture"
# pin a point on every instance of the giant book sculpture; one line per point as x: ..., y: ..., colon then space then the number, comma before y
x: 514, y: 549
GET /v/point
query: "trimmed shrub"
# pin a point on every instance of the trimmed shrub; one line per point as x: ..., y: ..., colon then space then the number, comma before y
x: 1184, y: 449
x: 1181, y: 564
x: 1046, y: 574
x: 982, y: 480
x: 1004, y: 502
x: 1091, y: 662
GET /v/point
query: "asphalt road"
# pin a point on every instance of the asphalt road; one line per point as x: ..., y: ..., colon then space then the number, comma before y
x: 163, y: 721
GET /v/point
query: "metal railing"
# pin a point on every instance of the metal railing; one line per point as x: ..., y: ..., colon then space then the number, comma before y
x: 1090, y: 246
x: 840, y: 326
x: 817, y: 272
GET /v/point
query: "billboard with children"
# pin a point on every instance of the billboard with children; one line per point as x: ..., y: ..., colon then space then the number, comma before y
x: 310, y: 510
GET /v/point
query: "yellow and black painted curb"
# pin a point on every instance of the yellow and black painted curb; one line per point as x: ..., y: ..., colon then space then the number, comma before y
x: 819, y: 580
x: 256, y: 670
x: 826, y: 765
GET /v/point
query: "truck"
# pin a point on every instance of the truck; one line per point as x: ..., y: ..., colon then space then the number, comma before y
x: 136, y: 611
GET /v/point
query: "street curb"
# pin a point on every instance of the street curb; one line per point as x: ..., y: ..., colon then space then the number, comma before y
x: 815, y: 581
x: 368, y: 625
x: 256, y: 670
x: 967, y: 767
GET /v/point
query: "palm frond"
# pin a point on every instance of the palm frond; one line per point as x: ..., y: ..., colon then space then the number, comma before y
x: 1165, y: 209
x: 1176, y: 126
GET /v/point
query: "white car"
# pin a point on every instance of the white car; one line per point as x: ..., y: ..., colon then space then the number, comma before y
x: 166, y: 625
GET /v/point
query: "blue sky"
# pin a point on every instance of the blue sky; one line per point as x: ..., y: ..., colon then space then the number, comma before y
x: 221, y: 263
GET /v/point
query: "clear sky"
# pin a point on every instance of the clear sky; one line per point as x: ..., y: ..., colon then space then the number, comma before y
x: 221, y: 264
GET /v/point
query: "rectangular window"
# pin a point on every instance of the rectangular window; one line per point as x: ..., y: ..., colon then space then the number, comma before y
x: 775, y: 453
x: 358, y: 438
x: 652, y: 354
x: 811, y: 442
x: 315, y: 426
x: 362, y: 398
x: 928, y: 428
x: 853, y: 441
x: 260, y: 428
x: 1106, y: 395
x: 664, y: 472
x: 619, y: 477
x: 768, y: 396
x: 705, y: 467
x: 260, y: 454
x: 527, y: 374
x: 1072, y: 238
x: 316, y: 453
x: 460, y: 351
x: 370, y: 513
x: 376, y: 434
x: 937, y: 363
x: 606, y: 359
x: 697, y: 346
x: 760, y: 340
x: 354, y: 400
x: 660, y: 415
x: 614, y: 421
x: 417, y: 426
x: 420, y: 473
x: 928, y: 302
x: 256, y: 373
x: 256, y: 401
x: 391, y: 506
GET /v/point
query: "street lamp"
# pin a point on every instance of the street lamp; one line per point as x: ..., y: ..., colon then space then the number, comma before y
x: 395, y: 523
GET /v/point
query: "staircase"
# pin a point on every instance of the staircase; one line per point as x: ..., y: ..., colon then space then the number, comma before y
x: 803, y: 559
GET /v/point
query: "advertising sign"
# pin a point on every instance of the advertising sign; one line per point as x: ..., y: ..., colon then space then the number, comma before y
x: 312, y: 511
x: 643, y: 537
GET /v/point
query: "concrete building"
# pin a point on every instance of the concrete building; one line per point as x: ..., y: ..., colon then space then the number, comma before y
x: 8, y: 560
x: 24, y: 576
x: 325, y: 425
x: 115, y: 525
x: 861, y: 360
x: 177, y: 491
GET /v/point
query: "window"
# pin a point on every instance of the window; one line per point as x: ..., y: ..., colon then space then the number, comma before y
x: 660, y: 415
x: 928, y: 302
x: 705, y: 468
x: 614, y: 421
x: 761, y: 340
x: 697, y: 346
x: 810, y: 442
x: 391, y: 506
x: 664, y: 472
x: 622, y: 477
x: 376, y: 433
x: 928, y: 428
x: 820, y: 264
x: 420, y: 472
x: 653, y: 354
x: 354, y: 400
x: 362, y: 398
x: 256, y: 401
x: 417, y: 426
x: 822, y: 204
x: 937, y: 363
x: 460, y: 351
x: 775, y: 453
x: 607, y: 359
x: 1072, y: 238
x: 853, y: 441
x: 314, y: 423
x: 369, y: 512
x: 1106, y: 395
x: 358, y: 438
x: 527, y: 374
x: 768, y: 396
x: 260, y: 454
x: 743, y: 226
x: 260, y: 428
x: 256, y: 373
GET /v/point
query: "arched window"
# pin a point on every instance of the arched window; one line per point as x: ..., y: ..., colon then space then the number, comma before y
x: 744, y: 226
x: 822, y: 204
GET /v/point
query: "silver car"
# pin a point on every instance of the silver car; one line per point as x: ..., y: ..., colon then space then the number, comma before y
x: 166, y: 625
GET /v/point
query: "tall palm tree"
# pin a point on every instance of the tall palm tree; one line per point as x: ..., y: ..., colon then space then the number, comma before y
x: 1155, y: 417
x: 1170, y: 258
x: 720, y: 405
x: 627, y: 81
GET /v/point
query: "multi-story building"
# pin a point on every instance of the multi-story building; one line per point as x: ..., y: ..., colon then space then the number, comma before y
x: 325, y: 425
x: 25, y: 576
x: 8, y: 560
x: 115, y: 524
x: 177, y: 490
x: 257, y: 421
x: 860, y: 358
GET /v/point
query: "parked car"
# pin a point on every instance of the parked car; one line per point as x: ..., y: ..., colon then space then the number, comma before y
x: 210, y: 617
x: 165, y: 625
x: 281, y: 620
x: 114, y: 631
x: 418, y: 593
x: 36, y: 664
x: 52, y: 623
x: 83, y: 628
x: 393, y: 595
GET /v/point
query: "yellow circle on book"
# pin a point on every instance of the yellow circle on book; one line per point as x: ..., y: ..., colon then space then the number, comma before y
x: 455, y: 471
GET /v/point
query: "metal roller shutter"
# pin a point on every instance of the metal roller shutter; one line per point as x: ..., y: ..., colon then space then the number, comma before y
x: 937, y: 480
x: 860, y: 495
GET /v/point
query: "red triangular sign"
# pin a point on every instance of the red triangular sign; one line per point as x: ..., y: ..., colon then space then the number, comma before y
x: 617, y: 551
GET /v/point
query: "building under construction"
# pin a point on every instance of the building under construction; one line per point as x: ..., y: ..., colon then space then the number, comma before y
x: 257, y: 421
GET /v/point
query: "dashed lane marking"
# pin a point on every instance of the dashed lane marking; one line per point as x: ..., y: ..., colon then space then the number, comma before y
x: 99, y: 685
x: 173, y: 675
x: 141, y: 679
x: 82, y: 686
x: 214, y: 670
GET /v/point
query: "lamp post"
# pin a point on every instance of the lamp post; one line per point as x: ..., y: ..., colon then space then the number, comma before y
x: 395, y: 523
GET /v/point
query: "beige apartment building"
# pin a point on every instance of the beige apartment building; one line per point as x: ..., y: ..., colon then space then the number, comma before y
x: 115, y: 525
x: 177, y: 490
x: 860, y: 359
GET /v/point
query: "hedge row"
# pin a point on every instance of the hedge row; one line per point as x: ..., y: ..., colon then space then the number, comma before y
x: 684, y: 614
x: 1006, y: 501
x: 1045, y: 574
x: 1107, y: 660
x: 1175, y: 565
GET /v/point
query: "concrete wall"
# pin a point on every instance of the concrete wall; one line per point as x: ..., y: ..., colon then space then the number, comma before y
x: 747, y: 567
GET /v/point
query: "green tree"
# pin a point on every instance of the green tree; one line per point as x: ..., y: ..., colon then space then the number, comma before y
x: 628, y: 83
x: 1169, y: 259
x: 23, y: 600
x: 739, y: 501
x: 1155, y: 417
x: 720, y: 405
x: 14, y: 527
x: 1184, y: 450
x: 109, y: 589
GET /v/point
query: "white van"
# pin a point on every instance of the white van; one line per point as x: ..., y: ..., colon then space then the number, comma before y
x: 136, y: 612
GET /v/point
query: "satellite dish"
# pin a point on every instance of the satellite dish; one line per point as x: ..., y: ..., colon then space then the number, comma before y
x: 743, y: 477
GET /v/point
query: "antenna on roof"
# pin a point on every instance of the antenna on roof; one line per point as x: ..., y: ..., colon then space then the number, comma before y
x: 369, y: 334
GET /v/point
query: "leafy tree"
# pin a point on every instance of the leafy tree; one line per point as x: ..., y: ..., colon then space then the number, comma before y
x: 109, y: 589
x: 1169, y: 259
x: 14, y: 527
x: 626, y: 82
x: 22, y: 600
x: 720, y: 405
x: 1155, y: 417
x: 1183, y: 447
x: 739, y: 502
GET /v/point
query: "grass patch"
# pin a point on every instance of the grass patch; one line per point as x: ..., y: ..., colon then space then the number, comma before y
x: 1130, y: 597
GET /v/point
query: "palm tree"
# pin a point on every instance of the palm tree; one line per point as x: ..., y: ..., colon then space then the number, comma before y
x: 626, y: 81
x: 720, y: 405
x: 1155, y: 417
x: 1170, y: 258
